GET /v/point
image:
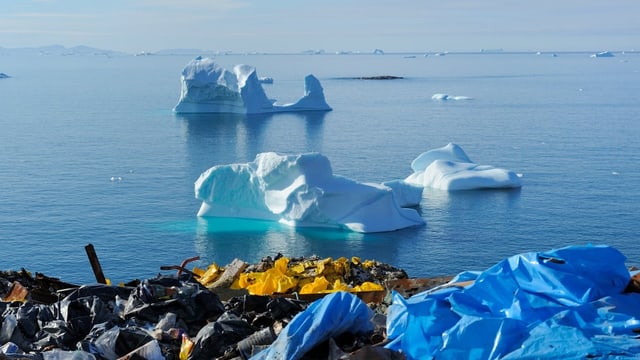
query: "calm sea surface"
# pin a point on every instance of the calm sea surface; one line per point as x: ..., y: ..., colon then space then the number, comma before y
x: 71, y: 124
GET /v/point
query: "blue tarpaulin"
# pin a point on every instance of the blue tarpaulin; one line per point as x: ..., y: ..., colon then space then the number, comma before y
x: 328, y: 317
x: 567, y: 303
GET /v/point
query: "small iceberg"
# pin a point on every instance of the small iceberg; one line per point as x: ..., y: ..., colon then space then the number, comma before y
x: 4, y: 76
x: 302, y: 191
x: 209, y: 88
x: 443, y: 97
x: 449, y: 168
x: 602, y: 54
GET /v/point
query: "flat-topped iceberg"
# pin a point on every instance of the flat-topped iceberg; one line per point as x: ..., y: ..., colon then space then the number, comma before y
x: 209, y: 88
x: 301, y: 190
x: 449, y: 168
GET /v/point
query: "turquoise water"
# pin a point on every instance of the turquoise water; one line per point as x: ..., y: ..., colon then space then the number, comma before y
x: 71, y: 124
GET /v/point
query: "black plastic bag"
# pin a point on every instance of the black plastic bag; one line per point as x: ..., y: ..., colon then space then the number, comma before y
x: 218, y: 337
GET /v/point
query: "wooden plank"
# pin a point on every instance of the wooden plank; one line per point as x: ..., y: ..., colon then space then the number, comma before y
x: 95, y: 264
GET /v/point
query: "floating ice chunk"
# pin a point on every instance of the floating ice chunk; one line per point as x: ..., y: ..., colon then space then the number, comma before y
x: 440, y: 97
x: 266, y: 80
x: 449, y: 168
x: 301, y: 190
x: 313, y: 99
x: 209, y: 88
x: 602, y: 54
x: 449, y: 97
x: 449, y: 175
x: 451, y: 152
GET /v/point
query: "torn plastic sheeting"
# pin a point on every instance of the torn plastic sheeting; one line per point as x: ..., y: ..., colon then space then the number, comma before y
x: 190, y: 301
x: 535, y: 285
x: 58, y: 354
x: 117, y: 342
x: 526, y: 289
x: 82, y: 313
x: 328, y: 317
x: 422, y: 317
x: 216, y: 337
x: 598, y: 329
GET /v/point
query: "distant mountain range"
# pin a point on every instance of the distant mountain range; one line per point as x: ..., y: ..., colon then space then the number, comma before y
x: 83, y: 50
x: 60, y: 50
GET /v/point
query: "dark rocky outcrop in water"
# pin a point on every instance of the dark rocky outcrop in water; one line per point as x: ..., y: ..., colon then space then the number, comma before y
x: 379, y: 77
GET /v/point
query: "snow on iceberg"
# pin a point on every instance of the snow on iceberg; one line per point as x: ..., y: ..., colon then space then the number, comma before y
x: 449, y: 168
x: 209, y: 88
x: 301, y: 190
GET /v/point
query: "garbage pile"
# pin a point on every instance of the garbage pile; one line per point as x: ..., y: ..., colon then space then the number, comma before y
x: 311, y: 275
x: 182, y: 316
x: 571, y: 303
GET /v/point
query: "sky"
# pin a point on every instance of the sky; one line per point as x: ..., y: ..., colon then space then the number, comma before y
x: 330, y: 25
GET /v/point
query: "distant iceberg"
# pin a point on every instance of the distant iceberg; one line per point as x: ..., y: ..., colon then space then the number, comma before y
x: 302, y: 191
x: 449, y: 97
x: 209, y: 88
x: 602, y: 54
x: 449, y: 168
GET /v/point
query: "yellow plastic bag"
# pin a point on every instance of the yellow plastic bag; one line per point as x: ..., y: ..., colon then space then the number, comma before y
x: 340, y: 286
x: 298, y: 268
x: 274, y: 280
x: 319, y: 285
x: 185, y: 347
x: 212, y: 274
x: 321, y: 265
x: 341, y: 266
x: 368, y: 286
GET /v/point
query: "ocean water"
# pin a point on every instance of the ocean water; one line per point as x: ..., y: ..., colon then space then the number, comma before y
x: 91, y: 153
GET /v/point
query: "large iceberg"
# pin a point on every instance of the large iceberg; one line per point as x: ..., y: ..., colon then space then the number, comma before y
x: 449, y: 168
x: 209, y: 88
x: 301, y: 190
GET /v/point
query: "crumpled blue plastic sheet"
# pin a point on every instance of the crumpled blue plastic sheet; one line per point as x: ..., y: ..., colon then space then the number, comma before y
x: 567, y: 303
x: 328, y: 317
